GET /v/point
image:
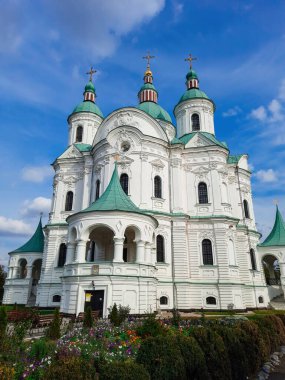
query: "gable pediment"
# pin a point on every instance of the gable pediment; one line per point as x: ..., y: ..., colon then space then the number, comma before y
x: 198, y: 141
x: 71, y: 152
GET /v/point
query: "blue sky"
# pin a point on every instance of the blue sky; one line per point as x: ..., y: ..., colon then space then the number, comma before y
x: 47, y: 46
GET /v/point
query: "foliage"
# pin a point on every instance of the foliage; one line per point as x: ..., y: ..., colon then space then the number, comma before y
x: 2, y: 281
x: 6, y: 371
x: 194, y: 359
x: 150, y: 327
x: 162, y: 358
x: 215, y: 352
x: 127, y: 370
x: 20, y: 331
x: 176, y: 318
x: 117, y: 315
x: 53, y: 332
x: 41, y: 348
x: 88, y: 319
x: 70, y: 368
x: 3, y: 321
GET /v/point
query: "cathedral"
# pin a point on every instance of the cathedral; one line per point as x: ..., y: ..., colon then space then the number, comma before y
x: 149, y: 211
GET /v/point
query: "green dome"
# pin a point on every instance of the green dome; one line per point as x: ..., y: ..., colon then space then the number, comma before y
x: 154, y: 110
x: 90, y: 87
x: 88, y: 106
x: 191, y: 75
x: 148, y: 86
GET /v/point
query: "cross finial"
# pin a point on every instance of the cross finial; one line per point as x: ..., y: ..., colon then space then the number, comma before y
x: 148, y: 57
x: 190, y: 59
x: 91, y: 72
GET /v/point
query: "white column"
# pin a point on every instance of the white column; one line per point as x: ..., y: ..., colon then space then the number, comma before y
x: 80, y: 251
x: 118, y: 249
x: 148, y: 258
x: 140, y: 251
x: 70, y: 253
x: 153, y: 255
x: 29, y: 271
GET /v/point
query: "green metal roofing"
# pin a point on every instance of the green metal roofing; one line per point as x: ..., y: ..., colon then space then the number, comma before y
x: 234, y: 159
x: 186, y: 138
x: 191, y: 75
x: 83, y: 147
x: 88, y: 106
x: 175, y: 140
x: 193, y: 93
x: 90, y: 87
x: 154, y: 110
x: 277, y: 235
x: 148, y: 86
x: 36, y: 243
x: 114, y: 198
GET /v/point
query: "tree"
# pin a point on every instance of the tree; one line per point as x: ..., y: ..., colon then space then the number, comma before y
x: 3, y: 275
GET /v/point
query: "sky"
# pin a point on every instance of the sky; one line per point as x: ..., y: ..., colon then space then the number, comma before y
x: 47, y: 46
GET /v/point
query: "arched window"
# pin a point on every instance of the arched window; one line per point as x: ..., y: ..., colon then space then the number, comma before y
x: 157, y: 187
x: 260, y: 299
x: 195, y: 122
x: 252, y: 259
x: 202, y: 192
x: 124, y: 181
x: 160, y: 249
x: 97, y: 195
x: 56, y: 298
x: 245, y: 208
x: 79, y: 134
x: 207, y: 252
x: 211, y: 301
x: 163, y: 300
x: 61, y: 255
x: 23, y: 268
x: 69, y: 201
x: 232, y: 259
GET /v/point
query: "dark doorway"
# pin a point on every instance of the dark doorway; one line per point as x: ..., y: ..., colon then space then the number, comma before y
x: 95, y: 299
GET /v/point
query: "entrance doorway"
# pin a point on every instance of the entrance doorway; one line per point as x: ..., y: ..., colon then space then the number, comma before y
x: 95, y: 299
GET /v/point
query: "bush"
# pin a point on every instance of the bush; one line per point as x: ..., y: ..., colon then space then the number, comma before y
x: 41, y: 348
x: 53, y: 332
x: 70, y: 368
x: 162, y: 358
x: 127, y: 370
x: 215, y: 352
x: 3, y: 320
x: 88, y: 319
x: 118, y: 315
x: 176, y: 318
x: 150, y: 327
x: 6, y: 372
x: 194, y: 359
x: 20, y: 330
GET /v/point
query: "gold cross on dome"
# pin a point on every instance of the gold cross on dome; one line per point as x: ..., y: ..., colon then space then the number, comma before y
x: 190, y: 59
x: 91, y: 72
x: 148, y: 57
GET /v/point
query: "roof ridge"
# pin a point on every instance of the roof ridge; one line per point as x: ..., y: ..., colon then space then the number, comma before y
x: 277, y: 234
x: 35, y: 243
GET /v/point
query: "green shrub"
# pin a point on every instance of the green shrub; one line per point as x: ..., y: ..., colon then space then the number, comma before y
x: 215, y: 352
x: 253, y: 346
x: 150, y: 327
x: 41, y: 348
x: 124, y: 312
x: 176, y: 318
x: 235, y: 349
x: 7, y: 372
x: 118, y: 315
x: 3, y: 320
x: 162, y: 358
x: 278, y: 327
x: 88, y: 319
x: 194, y: 359
x: 53, y: 332
x: 70, y: 368
x: 127, y: 370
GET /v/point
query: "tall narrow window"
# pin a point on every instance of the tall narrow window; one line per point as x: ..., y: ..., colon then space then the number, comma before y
x: 97, y: 195
x: 252, y: 259
x: 61, y: 255
x: 79, y: 134
x: 157, y: 187
x: 160, y: 249
x: 124, y: 180
x: 202, y: 192
x: 195, y: 122
x: 207, y: 252
x: 69, y: 201
x: 245, y: 208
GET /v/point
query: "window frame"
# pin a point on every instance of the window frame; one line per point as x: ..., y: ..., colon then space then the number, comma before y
x: 157, y: 183
x: 97, y: 189
x: 195, y: 124
x: 79, y: 128
x: 246, y: 209
x: 61, y: 255
x: 210, y: 299
x: 203, y: 197
x: 207, y: 257
x: 160, y: 249
x: 68, y: 202
x: 252, y: 259
x: 125, y: 182
x: 163, y: 298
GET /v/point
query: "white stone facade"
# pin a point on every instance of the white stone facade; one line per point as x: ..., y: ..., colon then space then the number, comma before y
x: 182, y: 279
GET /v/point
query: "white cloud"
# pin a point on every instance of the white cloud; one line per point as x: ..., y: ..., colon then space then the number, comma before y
x: 177, y: 9
x: 259, y: 113
x: 232, y: 112
x: 35, y: 206
x: 36, y: 173
x: 275, y: 108
x: 266, y: 175
x: 281, y: 94
x: 10, y: 227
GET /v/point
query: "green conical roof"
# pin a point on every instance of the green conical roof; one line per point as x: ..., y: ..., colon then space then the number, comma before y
x: 36, y: 243
x: 155, y: 110
x: 277, y: 235
x: 114, y: 198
